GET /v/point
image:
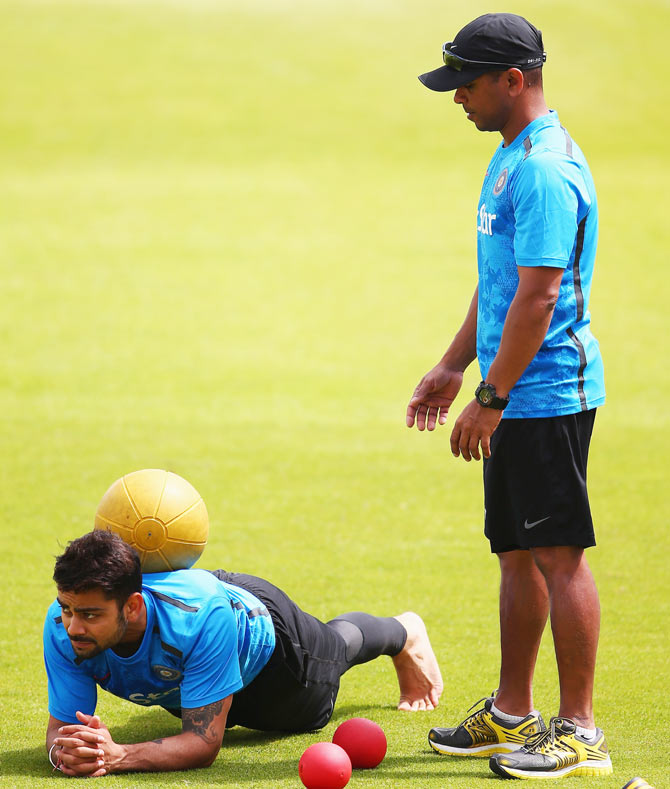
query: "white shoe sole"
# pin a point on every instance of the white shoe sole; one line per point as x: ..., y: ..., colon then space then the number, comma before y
x: 479, y: 750
x: 589, y: 767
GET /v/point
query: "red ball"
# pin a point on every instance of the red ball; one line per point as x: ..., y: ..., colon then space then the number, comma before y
x: 324, y: 766
x: 364, y: 741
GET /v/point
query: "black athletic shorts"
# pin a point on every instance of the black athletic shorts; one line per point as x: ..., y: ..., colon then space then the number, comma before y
x: 296, y: 690
x: 535, y: 483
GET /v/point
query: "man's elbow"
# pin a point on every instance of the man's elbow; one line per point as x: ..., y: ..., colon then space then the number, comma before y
x: 209, y: 757
x: 206, y: 755
x: 209, y: 761
x: 541, y: 303
x: 549, y: 301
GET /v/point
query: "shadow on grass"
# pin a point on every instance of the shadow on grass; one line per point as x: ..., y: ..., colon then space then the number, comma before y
x: 25, y: 761
x: 33, y: 762
x: 344, y: 711
x: 139, y: 727
x: 428, y: 765
x: 150, y: 725
x: 237, y: 762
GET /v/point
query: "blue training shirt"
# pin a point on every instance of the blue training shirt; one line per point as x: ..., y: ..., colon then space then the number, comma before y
x: 204, y: 640
x: 538, y: 208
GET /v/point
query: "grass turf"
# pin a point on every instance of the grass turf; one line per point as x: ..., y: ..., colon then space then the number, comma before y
x: 234, y: 236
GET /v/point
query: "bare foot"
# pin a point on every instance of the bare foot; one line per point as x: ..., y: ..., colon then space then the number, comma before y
x: 416, y: 666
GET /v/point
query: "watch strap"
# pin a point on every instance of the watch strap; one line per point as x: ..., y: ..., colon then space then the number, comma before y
x: 486, y: 396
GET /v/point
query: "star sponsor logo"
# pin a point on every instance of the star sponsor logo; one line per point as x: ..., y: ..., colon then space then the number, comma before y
x: 485, y: 221
x: 149, y: 699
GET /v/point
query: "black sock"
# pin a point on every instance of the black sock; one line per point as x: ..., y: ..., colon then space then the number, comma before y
x: 367, y: 637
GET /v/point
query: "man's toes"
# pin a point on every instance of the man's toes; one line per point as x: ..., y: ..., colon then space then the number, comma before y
x: 415, y: 705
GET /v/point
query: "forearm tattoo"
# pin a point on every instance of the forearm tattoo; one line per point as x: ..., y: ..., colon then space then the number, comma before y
x: 199, y: 721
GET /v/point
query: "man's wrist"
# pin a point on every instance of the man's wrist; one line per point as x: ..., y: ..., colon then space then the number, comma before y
x: 116, y: 758
x: 54, y: 758
x: 487, y: 397
x: 450, y: 363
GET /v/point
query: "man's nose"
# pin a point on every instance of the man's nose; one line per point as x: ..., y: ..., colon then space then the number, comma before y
x: 76, y: 626
x: 458, y: 96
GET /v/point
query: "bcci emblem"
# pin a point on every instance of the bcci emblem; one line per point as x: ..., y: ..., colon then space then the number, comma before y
x: 166, y: 673
x: 500, y: 183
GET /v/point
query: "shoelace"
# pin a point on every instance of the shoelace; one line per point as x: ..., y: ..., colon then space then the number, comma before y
x: 535, y: 741
x: 478, y: 712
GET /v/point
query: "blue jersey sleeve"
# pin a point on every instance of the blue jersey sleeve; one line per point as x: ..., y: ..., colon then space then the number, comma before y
x: 212, y: 668
x: 546, y: 197
x: 70, y: 689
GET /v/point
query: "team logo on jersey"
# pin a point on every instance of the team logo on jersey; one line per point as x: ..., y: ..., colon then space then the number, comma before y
x: 500, y: 183
x: 166, y: 673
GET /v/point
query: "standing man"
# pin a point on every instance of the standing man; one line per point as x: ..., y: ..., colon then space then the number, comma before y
x: 532, y: 415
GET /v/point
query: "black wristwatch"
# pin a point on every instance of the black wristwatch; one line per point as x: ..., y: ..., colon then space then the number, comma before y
x: 486, y: 396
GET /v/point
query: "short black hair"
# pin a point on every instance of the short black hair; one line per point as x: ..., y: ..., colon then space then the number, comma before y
x: 533, y: 77
x: 99, y: 560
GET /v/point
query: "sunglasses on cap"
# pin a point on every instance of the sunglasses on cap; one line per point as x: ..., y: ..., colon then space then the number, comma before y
x: 457, y: 63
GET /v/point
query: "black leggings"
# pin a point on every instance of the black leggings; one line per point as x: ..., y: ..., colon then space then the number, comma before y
x: 367, y: 637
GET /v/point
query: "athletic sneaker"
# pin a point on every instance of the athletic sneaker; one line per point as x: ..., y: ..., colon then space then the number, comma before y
x: 483, y: 733
x: 555, y: 753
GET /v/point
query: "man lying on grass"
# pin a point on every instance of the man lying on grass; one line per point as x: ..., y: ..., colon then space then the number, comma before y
x: 217, y: 649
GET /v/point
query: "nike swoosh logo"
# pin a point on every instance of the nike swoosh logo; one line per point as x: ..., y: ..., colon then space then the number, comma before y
x: 527, y: 525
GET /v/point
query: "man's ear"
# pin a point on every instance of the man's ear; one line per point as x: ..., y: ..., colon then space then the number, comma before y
x: 515, y: 81
x: 133, y: 606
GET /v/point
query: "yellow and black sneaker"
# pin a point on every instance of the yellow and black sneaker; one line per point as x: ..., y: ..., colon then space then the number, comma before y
x: 482, y: 733
x: 555, y: 753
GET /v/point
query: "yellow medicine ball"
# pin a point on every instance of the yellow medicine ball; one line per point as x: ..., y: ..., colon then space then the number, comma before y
x: 160, y: 514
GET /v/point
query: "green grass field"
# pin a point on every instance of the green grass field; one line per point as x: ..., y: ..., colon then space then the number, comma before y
x: 233, y: 237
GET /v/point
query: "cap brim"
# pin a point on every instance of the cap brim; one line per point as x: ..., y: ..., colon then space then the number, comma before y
x: 444, y: 78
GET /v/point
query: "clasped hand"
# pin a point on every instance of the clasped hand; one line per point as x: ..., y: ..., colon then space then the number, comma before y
x: 85, y: 748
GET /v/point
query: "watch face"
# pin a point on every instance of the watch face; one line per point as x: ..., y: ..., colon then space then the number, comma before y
x: 485, y: 396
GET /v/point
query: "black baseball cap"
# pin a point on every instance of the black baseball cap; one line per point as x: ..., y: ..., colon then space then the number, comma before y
x: 489, y: 43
